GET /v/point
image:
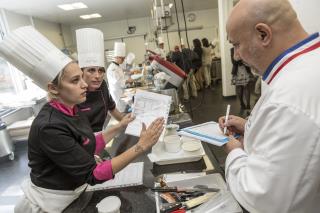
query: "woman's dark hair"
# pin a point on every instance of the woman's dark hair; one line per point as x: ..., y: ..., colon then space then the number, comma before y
x: 205, y: 42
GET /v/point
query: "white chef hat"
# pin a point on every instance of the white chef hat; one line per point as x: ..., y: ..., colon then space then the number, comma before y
x: 181, y: 41
x: 90, y: 47
x: 33, y: 54
x: 160, y: 40
x: 119, y: 49
x: 130, y: 57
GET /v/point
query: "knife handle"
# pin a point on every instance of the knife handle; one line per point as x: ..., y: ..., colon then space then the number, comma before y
x: 170, y: 208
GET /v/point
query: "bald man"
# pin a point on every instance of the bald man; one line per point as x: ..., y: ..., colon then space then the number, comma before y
x: 275, y: 167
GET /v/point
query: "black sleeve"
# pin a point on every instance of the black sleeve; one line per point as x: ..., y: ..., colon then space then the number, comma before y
x: 65, y: 152
x: 107, y: 96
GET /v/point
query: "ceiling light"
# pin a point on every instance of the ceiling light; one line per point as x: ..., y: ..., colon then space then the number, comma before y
x: 94, y: 15
x: 73, y: 6
x: 170, y: 5
x: 79, y: 5
x: 66, y: 6
x: 85, y: 17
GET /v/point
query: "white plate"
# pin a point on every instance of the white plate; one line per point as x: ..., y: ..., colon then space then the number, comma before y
x: 161, y: 157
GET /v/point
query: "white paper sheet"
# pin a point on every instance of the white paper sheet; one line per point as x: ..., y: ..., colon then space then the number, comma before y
x: 146, y: 108
x: 131, y: 175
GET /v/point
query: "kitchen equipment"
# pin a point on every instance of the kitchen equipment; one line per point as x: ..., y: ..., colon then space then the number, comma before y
x: 6, y: 145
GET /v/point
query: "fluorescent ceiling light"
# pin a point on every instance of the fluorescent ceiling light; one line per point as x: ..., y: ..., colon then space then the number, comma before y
x: 73, y: 6
x: 94, y: 15
x: 79, y: 5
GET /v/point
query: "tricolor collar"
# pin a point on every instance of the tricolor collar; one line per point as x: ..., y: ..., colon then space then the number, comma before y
x: 307, y: 45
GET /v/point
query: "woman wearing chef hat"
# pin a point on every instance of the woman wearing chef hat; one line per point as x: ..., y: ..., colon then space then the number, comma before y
x: 90, y: 47
x: 115, y: 76
x: 61, y: 143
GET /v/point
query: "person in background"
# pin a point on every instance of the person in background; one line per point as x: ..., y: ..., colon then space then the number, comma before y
x: 61, y: 143
x: 275, y: 167
x: 160, y: 49
x: 191, y: 81
x: 215, y: 48
x: 177, y: 58
x: 206, y: 61
x: 240, y: 78
x: 90, y: 46
x: 197, y: 63
x: 115, y: 76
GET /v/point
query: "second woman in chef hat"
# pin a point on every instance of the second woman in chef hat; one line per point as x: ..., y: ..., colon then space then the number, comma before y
x: 61, y: 143
x: 90, y: 48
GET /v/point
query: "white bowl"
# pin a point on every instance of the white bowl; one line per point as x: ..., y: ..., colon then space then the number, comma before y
x: 172, y: 143
x: 190, y: 144
x: 109, y: 204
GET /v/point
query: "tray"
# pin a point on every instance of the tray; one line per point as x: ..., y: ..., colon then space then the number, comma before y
x: 161, y: 157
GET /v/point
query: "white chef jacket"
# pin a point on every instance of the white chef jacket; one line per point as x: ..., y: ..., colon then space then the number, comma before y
x: 279, y: 169
x: 117, y: 82
x: 161, y: 52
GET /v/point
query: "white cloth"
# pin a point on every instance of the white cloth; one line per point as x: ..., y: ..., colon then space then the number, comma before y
x: 279, y: 168
x: 38, y: 200
x: 161, y: 52
x: 117, y: 82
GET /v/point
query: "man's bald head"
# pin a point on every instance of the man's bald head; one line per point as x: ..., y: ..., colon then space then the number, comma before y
x: 271, y: 12
x: 262, y: 27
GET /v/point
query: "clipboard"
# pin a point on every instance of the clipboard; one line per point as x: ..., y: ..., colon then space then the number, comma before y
x: 209, y: 132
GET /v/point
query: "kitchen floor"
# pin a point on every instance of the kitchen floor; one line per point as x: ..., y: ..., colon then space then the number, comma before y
x: 208, y: 106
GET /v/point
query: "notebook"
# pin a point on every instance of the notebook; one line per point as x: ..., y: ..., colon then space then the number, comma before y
x: 131, y: 175
x: 209, y: 132
x: 146, y: 108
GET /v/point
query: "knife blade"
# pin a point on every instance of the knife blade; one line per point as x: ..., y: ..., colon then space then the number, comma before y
x: 178, y: 189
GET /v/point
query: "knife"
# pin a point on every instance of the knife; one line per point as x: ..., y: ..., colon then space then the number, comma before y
x: 178, y: 189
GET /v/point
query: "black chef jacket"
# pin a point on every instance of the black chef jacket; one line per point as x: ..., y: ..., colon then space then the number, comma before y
x: 97, y: 105
x: 61, y: 150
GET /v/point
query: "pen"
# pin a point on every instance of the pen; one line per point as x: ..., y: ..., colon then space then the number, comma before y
x: 226, y: 119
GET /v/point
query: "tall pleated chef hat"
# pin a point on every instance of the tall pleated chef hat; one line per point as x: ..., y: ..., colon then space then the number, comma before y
x: 33, y: 54
x: 130, y: 58
x: 119, y: 49
x: 90, y: 47
x: 160, y: 40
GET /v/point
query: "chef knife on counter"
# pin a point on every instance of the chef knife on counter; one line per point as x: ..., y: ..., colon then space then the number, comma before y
x: 183, y: 189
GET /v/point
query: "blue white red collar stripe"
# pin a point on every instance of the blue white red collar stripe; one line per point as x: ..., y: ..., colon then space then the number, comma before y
x: 307, y: 45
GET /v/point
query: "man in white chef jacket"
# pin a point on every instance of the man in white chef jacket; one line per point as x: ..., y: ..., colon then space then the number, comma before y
x: 160, y: 49
x: 115, y: 76
x: 276, y: 166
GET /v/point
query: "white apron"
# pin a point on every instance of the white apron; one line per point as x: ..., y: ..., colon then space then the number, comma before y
x: 38, y: 200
